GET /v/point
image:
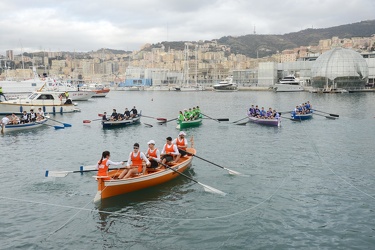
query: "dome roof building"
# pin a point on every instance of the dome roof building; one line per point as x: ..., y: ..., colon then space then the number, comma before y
x: 339, y: 68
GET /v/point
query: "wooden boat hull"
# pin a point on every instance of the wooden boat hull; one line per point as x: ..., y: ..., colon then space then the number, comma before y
x: 123, y: 123
x: 302, y: 116
x: 101, y: 92
x: 189, y: 124
x: 267, y: 122
x: 110, y: 188
x: 20, y: 127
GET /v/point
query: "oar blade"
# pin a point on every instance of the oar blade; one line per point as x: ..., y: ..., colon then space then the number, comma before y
x: 86, y: 121
x: 223, y: 119
x: 67, y: 125
x: 334, y: 115
x: 232, y: 172
x: 58, y: 127
x: 330, y: 117
x: 212, y: 190
x: 241, y: 123
x: 59, y: 174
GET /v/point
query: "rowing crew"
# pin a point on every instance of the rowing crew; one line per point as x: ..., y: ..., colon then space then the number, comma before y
x: 189, y: 114
x: 138, y: 162
x: 119, y: 117
x: 304, y: 108
x: 25, y: 117
x: 262, y: 114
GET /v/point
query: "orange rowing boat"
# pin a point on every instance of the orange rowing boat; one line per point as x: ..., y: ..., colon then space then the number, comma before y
x: 152, y: 177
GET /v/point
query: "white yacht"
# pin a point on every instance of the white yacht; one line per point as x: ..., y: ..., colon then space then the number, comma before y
x: 288, y: 84
x: 49, y: 102
x: 226, y: 85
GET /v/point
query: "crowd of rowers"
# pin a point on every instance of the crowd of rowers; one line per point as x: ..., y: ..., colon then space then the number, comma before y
x: 25, y: 117
x: 138, y: 162
x: 119, y: 116
x: 263, y: 114
x: 304, y: 108
x: 190, y: 114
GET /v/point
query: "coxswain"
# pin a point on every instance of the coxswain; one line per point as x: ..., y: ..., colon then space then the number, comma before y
x: 103, y: 165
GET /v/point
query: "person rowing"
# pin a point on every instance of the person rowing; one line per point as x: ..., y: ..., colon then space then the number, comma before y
x: 135, y: 163
x: 181, y: 143
x: 153, y: 154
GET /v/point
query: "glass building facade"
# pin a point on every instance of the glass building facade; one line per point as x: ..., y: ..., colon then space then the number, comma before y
x: 339, y: 68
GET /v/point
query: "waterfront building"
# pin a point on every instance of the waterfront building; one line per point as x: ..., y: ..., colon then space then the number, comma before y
x: 339, y: 68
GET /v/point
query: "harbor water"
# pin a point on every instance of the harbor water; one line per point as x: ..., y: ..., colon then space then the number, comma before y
x: 305, y: 185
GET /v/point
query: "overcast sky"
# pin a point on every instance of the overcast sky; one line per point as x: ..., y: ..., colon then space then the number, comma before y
x: 85, y: 25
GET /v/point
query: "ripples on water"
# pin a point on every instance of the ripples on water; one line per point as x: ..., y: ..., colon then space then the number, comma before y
x: 307, y: 185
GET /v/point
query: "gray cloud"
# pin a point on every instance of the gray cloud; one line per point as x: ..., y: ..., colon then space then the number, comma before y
x: 90, y: 25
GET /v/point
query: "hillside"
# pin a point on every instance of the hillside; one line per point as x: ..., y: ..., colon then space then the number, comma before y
x: 265, y: 45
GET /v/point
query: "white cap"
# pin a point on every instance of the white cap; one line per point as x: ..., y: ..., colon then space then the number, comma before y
x: 182, y: 133
x: 151, y: 142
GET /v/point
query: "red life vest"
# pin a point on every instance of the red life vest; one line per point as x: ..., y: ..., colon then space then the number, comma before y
x: 180, y: 144
x: 152, y: 153
x: 137, y: 161
x: 103, y: 169
x: 169, y: 149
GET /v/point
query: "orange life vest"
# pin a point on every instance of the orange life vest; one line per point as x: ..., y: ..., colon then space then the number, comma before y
x: 152, y: 153
x: 169, y: 149
x: 103, y: 169
x: 180, y: 144
x: 137, y: 161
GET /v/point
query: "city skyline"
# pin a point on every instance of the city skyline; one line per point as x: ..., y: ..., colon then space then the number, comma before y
x: 65, y: 26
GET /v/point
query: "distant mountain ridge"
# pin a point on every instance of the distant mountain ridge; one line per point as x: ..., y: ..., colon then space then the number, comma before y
x: 255, y: 45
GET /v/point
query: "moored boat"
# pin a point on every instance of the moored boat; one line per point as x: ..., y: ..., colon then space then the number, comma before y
x: 99, y: 89
x: 22, y: 126
x: 288, y: 84
x: 263, y: 121
x: 121, y: 123
x: 152, y: 177
x: 75, y: 94
x: 49, y: 102
x: 226, y: 85
x: 189, y: 124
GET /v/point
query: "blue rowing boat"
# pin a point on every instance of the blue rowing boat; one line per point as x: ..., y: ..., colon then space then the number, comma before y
x: 301, y: 117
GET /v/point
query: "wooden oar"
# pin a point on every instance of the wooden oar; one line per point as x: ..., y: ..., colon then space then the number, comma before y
x: 211, y: 118
x: 65, y: 173
x: 206, y: 187
x: 162, y: 122
x: 285, y: 112
x: 240, y: 119
x: 157, y: 118
x: 65, y: 124
x: 326, y: 116
x: 232, y: 172
x: 326, y: 113
x: 292, y: 119
x: 56, y: 127
x: 89, y: 121
x: 221, y: 119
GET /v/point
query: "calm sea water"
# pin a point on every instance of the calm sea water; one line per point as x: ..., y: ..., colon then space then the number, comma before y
x: 306, y: 185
